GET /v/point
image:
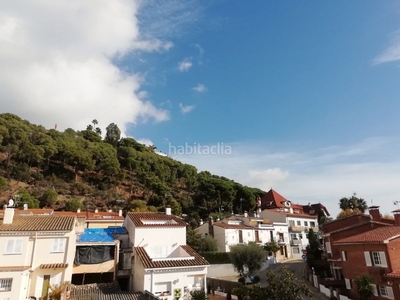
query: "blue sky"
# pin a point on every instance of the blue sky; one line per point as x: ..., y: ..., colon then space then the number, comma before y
x: 306, y: 93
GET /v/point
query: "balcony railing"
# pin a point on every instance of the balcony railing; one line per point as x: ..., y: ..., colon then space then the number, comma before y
x: 279, y: 241
x: 295, y: 242
x: 296, y: 228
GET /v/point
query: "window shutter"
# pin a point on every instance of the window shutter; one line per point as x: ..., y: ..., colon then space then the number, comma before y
x: 390, y: 292
x: 344, y: 255
x: 328, y: 247
x: 10, y: 246
x: 367, y: 259
x: 374, y: 289
x: 383, y: 259
x: 18, y: 246
x: 348, y: 284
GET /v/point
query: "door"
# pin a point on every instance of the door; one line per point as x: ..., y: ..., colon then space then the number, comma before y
x: 240, y: 236
x: 257, y: 236
x: 46, y: 285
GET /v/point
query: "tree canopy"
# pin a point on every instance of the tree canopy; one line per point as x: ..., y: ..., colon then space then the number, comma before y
x: 282, y: 285
x: 247, y: 258
x: 81, y: 164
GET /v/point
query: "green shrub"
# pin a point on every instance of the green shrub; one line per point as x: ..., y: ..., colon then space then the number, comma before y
x: 3, y: 183
x: 216, y: 258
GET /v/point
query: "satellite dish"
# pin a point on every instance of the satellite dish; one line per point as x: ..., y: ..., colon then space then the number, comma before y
x: 10, y: 203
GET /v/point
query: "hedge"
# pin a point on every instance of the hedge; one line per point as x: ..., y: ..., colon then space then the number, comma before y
x: 216, y: 258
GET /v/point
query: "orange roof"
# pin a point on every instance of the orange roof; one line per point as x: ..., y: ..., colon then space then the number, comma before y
x: 102, y: 215
x: 32, y: 211
x: 148, y: 263
x: 39, y: 223
x: 394, y: 274
x: 272, y: 199
x: 378, y: 235
x: 150, y: 219
x: 233, y: 226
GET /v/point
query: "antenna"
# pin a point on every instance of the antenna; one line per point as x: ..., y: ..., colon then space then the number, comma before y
x: 396, y: 202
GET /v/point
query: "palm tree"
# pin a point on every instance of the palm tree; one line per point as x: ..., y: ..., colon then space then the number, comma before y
x: 353, y: 203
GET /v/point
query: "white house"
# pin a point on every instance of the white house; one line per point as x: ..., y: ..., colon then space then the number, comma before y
x: 163, y: 263
x: 298, y: 226
x: 238, y: 229
x: 36, y: 251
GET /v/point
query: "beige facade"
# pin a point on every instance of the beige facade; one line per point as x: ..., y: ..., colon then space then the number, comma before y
x: 35, y: 251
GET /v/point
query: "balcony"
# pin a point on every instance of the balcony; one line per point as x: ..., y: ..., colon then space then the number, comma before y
x: 296, y: 228
x: 279, y: 241
x: 295, y: 242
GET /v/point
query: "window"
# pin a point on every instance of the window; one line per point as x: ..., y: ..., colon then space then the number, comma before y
x: 5, y: 284
x: 300, y: 236
x: 298, y: 223
x: 348, y: 283
x: 328, y: 247
x: 305, y: 223
x: 13, y: 246
x: 344, y: 256
x: 293, y: 236
x: 306, y: 235
x: 58, y: 245
x: 296, y: 250
x: 375, y: 258
x: 384, y: 291
x: 312, y: 224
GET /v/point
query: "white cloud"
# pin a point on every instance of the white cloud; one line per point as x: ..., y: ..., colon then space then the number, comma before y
x: 201, y: 88
x: 186, y: 108
x: 392, y: 53
x: 145, y: 141
x: 201, y: 52
x: 57, y: 62
x: 185, y: 65
x: 370, y: 167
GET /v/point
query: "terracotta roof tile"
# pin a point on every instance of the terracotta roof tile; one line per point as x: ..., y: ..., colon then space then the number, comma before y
x: 149, y: 219
x: 39, y: 223
x: 91, y: 216
x: 148, y: 263
x: 233, y: 226
x: 394, y: 274
x: 378, y: 235
x: 31, y: 211
x: 54, y: 266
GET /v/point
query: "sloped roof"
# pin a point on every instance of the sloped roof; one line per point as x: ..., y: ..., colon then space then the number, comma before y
x: 272, y: 199
x: 394, y: 274
x: 378, y: 235
x: 233, y: 226
x: 39, y: 223
x: 31, y: 211
x: 150, y: 219
x: 102, y: 216
x: 148, y: 263
x: 54, y: 266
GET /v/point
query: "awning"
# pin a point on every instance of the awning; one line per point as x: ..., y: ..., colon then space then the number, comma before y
x: 54, y: 266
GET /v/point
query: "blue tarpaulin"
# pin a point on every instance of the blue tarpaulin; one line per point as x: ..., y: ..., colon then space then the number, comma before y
x: 100, y: 235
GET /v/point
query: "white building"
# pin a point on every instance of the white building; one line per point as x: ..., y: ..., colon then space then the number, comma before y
x: 239, y: 229
x: 297, y: 225
x: 163, y: 263
x: 36, y: 251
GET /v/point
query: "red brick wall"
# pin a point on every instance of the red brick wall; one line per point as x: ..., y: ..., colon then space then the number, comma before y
x: 349, y: 232
x: 355, y: 264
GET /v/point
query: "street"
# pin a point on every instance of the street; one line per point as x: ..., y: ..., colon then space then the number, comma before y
x: 297, y: 268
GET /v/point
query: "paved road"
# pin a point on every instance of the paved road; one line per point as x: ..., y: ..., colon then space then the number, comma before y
x: 297, y: 267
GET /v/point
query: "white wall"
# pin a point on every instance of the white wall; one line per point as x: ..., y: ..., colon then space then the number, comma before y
x: 19, y: 285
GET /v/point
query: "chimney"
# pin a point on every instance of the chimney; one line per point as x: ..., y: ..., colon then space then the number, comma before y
x: 291, y: 210
x: 120, y: 213
x: 211, y: 226
x: 25, y: 206
x: 374, y: 212
x: 78, y: 210
x: 246, y: 214
x: 396, y: 217
x: 8, y: 215
x: 96, y: 210
x: 168, y: 210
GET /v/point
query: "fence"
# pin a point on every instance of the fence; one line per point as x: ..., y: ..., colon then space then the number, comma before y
x: 221, y: 285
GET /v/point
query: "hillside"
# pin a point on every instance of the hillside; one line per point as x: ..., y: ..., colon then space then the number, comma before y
x: 50, y: 168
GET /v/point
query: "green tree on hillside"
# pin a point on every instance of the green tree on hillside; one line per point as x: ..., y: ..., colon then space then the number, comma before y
x: 48, y: 198
x: 73, y: 204
x: 113, y: 134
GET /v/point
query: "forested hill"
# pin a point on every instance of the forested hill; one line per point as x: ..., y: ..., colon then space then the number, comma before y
x: 49, y: 168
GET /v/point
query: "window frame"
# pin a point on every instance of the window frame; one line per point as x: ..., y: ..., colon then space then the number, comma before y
x: 56, y: 247
x: 306, y: 223
x: 6, y: 284
x: 15, y: 250
x: 312, y: 223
